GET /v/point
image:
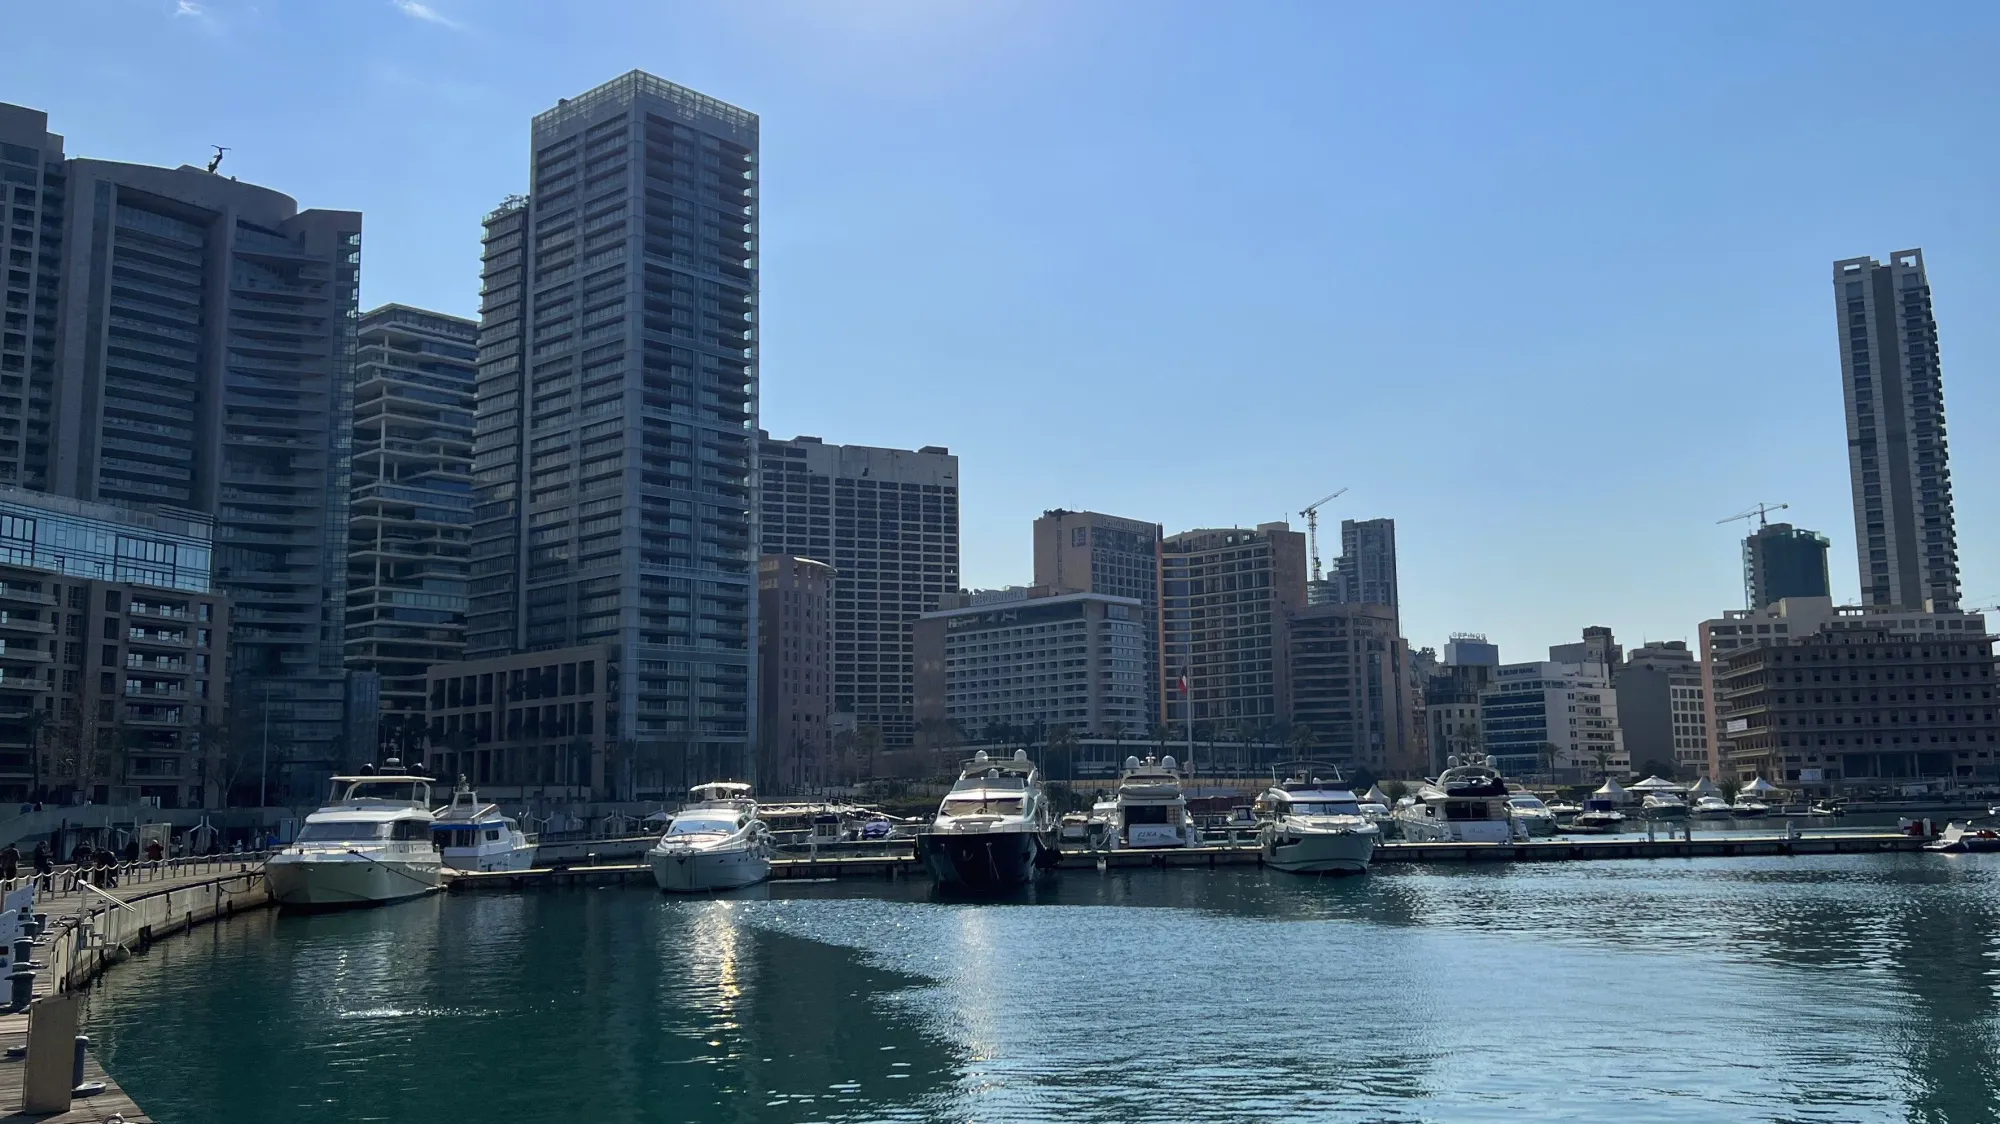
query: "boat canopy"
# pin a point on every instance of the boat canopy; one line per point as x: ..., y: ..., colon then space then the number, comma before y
x: 1656, y: 783
x: 1758, y: 786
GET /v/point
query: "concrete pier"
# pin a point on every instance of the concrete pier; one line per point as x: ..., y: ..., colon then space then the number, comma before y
x: 89, y: 934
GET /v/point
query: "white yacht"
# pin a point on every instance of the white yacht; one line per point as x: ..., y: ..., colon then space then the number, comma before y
x: 1531, y: 816
x: 1313, y: 823
x: 994, y: 828
x: 1664, y: 806
x: 1711, y: 808
x: 1747, y: 808
x: 474, y: 836
x: 370, y: 844
x: 1150, y: 809
x: 715, y: 842
x: 1467, y: 804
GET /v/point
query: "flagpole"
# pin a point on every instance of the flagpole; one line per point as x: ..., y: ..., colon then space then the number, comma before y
x: 1187, y: 696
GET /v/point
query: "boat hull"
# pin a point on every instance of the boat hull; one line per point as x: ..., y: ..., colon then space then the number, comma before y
x: 1421, y: 830
x: 981, y: 861
x: 1320, y: 852
x: 1537, y: 825
x: 347, y: 881
x: 697, y: 872
x: 467, y: 859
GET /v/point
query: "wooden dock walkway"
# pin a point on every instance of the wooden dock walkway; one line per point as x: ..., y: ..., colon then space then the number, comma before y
x: 157, y: 900
x: 1557, y: 849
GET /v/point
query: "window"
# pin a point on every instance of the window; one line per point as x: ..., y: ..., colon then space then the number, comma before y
x: 110, y: 600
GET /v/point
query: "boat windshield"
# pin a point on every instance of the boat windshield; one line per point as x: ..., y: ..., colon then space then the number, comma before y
x: 1324, y: 808
x: 701, y: 825
x: 344, y: 831
x: 983, y: 806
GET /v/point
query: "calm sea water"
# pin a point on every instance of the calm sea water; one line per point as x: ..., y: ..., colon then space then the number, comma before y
x: 1809, y: 989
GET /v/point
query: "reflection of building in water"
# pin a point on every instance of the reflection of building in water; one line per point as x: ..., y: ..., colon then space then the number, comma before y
x: 1943, y: 955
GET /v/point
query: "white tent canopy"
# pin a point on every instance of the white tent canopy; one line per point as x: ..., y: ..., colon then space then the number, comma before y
x: 1613, y: 790
x: 1758, y: 787
x: 1656, y: 784
x: 1703, y: 787
x: 1375, y: 795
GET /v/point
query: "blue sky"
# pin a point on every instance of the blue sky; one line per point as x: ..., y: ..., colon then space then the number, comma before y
x: 1547, y: 283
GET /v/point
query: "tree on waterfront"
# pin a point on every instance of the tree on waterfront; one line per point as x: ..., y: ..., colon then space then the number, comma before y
x: 1301, y: 739
x: 1062, y: 741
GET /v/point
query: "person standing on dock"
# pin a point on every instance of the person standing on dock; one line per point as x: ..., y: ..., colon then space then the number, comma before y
x: 10, y: 864
x: 45, y: 866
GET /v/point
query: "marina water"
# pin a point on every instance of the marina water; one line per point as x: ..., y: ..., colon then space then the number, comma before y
x: 1840, y: 988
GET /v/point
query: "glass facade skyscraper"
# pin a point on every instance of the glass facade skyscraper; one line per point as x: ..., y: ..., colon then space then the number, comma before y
x: 616, y: 411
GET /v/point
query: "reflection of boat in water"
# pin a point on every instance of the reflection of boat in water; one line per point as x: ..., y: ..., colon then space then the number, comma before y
x: 475, y: 836
x: 1964, y: 837
x: 1467, y: 804
x: 369, y: 845
x: 715, y: 842
x: 994, y: 827
x: 1314, y: 825
x: 1150, y: 809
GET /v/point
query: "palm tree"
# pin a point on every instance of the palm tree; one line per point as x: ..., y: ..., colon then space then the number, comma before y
x: 1301, y: 739
x: 1063, y: 739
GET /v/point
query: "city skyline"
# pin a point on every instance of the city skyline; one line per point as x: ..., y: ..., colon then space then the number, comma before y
x: 1619, y: 453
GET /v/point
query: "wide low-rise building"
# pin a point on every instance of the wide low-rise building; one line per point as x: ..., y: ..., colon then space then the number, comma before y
x: 1851, y: 698
x: 1553, y: 720
x: 1789, y: 620
x: 993, y: 663
x: 541, y: 724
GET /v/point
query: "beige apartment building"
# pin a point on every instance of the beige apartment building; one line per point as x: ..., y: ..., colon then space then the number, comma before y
x: 535, y: 724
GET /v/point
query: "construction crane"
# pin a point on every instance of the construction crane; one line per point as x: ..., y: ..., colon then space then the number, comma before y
x: 215, y: 161
x: 1758, y: 511
x: 1311, y: 515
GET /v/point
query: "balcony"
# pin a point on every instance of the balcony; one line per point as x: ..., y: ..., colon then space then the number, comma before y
x: 25, y: 652
x: 17, y: 594
x: 163, y: 612
x: 13, y: 682
x: 171, y: 692
x: 169, y: 665
x: 16, y: 623
x: 177, y: 638
x: 154, y: 716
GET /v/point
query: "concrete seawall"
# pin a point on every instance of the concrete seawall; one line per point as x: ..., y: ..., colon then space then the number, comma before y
x: 88, y: 933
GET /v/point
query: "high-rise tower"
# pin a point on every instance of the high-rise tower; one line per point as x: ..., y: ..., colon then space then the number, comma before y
x: 411, y: 522
x: 887, y: 521
x: 190, y: 346
x: 1906, y: 541
x: 617, y: 406
x: 1093, y: 553
x: 1780, y: 561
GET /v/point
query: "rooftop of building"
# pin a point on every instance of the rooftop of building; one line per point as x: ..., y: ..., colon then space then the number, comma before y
x: 635, y: 84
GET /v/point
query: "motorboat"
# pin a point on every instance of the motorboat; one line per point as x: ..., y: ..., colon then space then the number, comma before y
x: 1664, y: 806
x: 1531, y: 816
x: 370, y: 844
x: 1074, y: 829
x: 1313, y: 823
x: 1150, y: 809
x: 1746, y: 808
x: 1963, y: 837
x: 475, y: 836
x: 1599, y: 813
x: 1466, y: 804
x: 1710, y: 808
x: 994, y: 828
x: 1829, y: 808
x: 715, y: 842
x: 1563, y: 808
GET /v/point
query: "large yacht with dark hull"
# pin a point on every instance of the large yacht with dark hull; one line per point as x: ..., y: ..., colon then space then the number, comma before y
x: 995, y: 827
